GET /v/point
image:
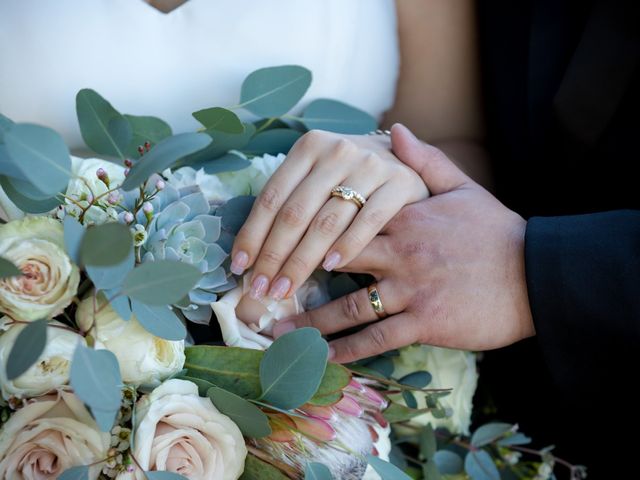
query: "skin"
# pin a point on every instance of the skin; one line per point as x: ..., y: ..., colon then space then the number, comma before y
x: 294, y: 227
x: 449, y: 270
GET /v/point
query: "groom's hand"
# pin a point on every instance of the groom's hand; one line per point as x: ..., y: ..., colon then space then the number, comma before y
x: 450, y: 270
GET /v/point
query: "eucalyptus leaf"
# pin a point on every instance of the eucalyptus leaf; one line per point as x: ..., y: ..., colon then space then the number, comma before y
x: 229, y: 162
x: 145, y: 129
x: 515, y: 439
x: 273, y: 142
x: 105, y: 418
x: 5, y: 124
x: 256, y: 469
x: 448, y: 462
x: 7, y: 167
x: 164, y: 155
x: 164, y: 476
x: 234, y: 369
x: 26, y: 203
x: 203, y: 385
x: 251, y: 421
x: 400, y: 413
x: 73, y: 233
x: 479, y: 465
x: 161, y: 282
x: 334, y: 116
x: 416, y: 379
x: 159, y: 320
x: 105, y: 245
x: 430, y: 471
x: 29, y: 345
x: 335, y: 378
x: 41, y: 155
x: 292, y: 368
x: 219, y: 119
x: 95, y: 378
x: 235, y: 212
x: 265, y: 124
x: 220, y: 145
x: 111, y: 276
x: 273, y: 91
x: 386, y: 470
x: 326, y: 400
x: 120, y: 304
x: 409, y: 399
x: 101, y: 125
x: 75, y: 473
x: 317, y: 471
x: 427, y: 441
x: 383, y: 365
x: 8, y: 269
x: 489, y: 433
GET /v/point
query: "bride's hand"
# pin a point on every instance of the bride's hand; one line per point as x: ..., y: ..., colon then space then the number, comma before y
x: 295, y: 225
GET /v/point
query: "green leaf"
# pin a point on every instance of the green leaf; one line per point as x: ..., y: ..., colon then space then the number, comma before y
x: 335, y: 378
x: 75, y: 473
x: 251, y: 421
x: 399, y: 413
x: 41, y: 155
x: 273, y: 91
x: 326, y: 400
x: 234, y: 369
x: 29, y: 345
x: 73, y: 233
x: 448, y: 462
x: 159, y: 321
x: 26, y: 203
x: 221, y: 144
x: 235, y: 212
x: 382, y: 365
x: 480, y: 466
x: 161, y: 282
x: 427, y: 441
x: 145, y: 129
x: 334, y: 116
x: 164, y: 476
x: 430, y: 471
x: 106, y: 245
x: 292, y: 368
x: 8, y: 269
x: 409, y: 399
x: 95, y: 378
x: 416, y: 379
x: 203, y: 385
x: 105, y: 418
x: 265, y: 124
x: 515, y: 439
x: 317, y: 471
x: 5, y: 124
x: 219, y: 119
x: 112, y: 276
x: 273, y: 142
x: 256, y: 469
x: 386, y: 470
x: 164, y: 155
x: 103, y: 128
x: 229, y: 162
x: 489, y: 433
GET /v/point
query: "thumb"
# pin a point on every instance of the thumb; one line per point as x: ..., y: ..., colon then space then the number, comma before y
x: 438, y: 172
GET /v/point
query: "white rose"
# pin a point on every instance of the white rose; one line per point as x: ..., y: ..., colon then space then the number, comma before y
x: 178, y: 431
x: 49, y: 435
x: 85, y: 182
x: 454, y: 369
x: 49, y: 281
x: 251, y: 180
x: 144, y: 359
x: 248, y: 323
x: 49, y: 372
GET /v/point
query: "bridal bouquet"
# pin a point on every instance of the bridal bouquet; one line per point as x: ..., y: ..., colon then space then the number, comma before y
x: 110, y: 267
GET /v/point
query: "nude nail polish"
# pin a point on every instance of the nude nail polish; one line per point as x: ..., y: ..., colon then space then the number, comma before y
x: 280, y: 288
x: 239, y: 262
x: 331, y: 261
x: 259, y: 287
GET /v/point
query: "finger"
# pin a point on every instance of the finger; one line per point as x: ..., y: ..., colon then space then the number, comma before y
x: 375, y: 259
x: 327, y: 226
x: 288, y: 229
x: 383, y: 205
x: 438, y: 172
x: 394, y: 332
x: 348, y: 311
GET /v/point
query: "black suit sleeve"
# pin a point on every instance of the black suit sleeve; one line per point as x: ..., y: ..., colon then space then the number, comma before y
x: 583, y: 279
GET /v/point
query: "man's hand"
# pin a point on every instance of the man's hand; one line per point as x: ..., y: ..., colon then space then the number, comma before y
x: 450, y: 270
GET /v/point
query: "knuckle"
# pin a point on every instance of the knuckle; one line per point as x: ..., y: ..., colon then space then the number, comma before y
x: 298, y: 263
x: 292, y: 214
x: 377, y: 337
x: 348, y: 351
x: 271, y: 257
x: 350, y: 308
x: 270, y: 199
x: 372, y: 161
x: 353, y: 239
x: 373, y: 218
x: 326, y: 223
x: 312, y: 137
x: 344, y: 147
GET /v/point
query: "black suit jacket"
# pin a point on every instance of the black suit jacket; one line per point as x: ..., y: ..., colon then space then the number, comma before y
x: 562, y: 95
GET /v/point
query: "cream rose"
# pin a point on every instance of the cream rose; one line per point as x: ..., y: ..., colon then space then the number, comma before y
x: 454, y: 369
x: 178, y: 431
x: 49, y: 281
x: 49, y: 435
x: 49, y: 372
x: 144, y: 358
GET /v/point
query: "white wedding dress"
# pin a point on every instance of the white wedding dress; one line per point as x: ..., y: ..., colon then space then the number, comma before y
x: 146, y: 62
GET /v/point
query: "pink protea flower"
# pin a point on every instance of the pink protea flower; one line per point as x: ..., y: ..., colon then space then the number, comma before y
x: 338, y: 435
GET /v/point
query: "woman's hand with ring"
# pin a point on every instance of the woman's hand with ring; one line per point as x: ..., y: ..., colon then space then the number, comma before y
x: 296, y: 224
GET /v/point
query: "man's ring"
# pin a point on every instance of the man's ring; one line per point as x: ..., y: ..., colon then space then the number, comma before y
x: 349, y: 194
x: 374, y: 299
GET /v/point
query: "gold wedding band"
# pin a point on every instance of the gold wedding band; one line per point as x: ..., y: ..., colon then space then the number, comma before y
x: 349, y: 194
x: 376, y: 302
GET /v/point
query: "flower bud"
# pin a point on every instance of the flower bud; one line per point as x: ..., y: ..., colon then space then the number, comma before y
x: 160, y: 184
x: 113, y: 198
x: 102, y: 174
x: 128, y: 217
x: 128, y: 163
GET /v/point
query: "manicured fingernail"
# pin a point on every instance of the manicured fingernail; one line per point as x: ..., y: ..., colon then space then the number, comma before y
x: 331, y: 261
x: 332, y: 353
x: 239, y: 262
x: 280, y: 288
x: 259, y: 287
x: 282, y: 327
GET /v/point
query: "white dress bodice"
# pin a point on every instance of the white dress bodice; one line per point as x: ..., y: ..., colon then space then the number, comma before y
x: 146, y: 62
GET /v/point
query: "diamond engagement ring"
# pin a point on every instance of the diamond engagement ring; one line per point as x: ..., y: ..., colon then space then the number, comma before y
x: 349, y: 194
